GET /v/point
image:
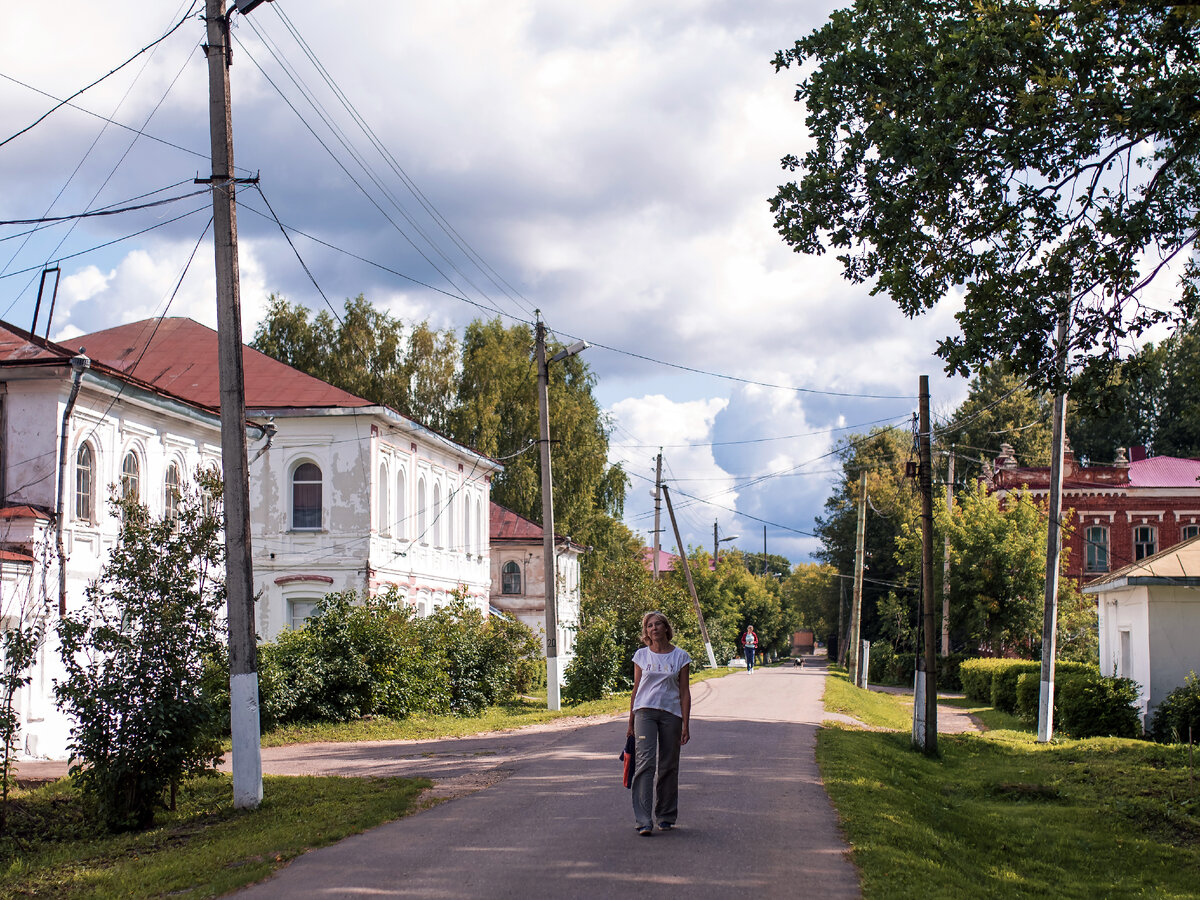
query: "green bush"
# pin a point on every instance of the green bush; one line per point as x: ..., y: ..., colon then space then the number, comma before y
x: 595, y: 671
x: 1178, y: 712
x: 976, y: 676
x: 1004, y: 682
x: 1089, y: 705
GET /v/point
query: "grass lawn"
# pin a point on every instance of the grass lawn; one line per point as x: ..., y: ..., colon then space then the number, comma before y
x: 203, y: 849
x: 999, y: 815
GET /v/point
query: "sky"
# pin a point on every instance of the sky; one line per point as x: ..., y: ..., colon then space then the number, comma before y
x: 607, y: 164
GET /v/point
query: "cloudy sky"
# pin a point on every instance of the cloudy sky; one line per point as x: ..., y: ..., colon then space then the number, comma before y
x: 609, y: 164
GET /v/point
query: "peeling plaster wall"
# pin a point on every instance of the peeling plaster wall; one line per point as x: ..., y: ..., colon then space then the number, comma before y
x: 372, y: 534
x: 529, y: 606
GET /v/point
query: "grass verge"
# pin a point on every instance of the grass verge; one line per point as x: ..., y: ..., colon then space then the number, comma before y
x: 999, y: 815
x: 518, y: 714
x: 204, y: 848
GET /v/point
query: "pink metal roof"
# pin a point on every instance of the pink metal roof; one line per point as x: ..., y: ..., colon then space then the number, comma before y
x: 666, y: 561
x: 180, y: 355
x: 1165, y: 471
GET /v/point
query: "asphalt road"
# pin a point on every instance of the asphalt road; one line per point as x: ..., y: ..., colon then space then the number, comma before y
x: 542, y: 813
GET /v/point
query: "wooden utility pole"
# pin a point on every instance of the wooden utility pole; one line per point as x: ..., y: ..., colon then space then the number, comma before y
x: 687, y: 571
x: 929, y: 675
x: 239, y: 576
x: 657, y: 512
x: 856, y: 602
x: 946, y: 560
x: 1053, y: 545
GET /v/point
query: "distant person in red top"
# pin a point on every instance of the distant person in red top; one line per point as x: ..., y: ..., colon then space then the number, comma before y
x: 750, y: 647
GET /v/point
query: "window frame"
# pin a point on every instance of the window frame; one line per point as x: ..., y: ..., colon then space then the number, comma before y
x: 509, y: 571
x: 131, y: 477
x: 310, y: 509
x: 87, y: 491
x: 1140, y: 546
x: 1193, y: 528
x: 1095, y: 551
x: 172, y: 491
x: 384, y: 504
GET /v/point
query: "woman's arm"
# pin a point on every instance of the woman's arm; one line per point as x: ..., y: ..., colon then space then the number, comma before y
x: 637, y: 682
x: 685, y: 700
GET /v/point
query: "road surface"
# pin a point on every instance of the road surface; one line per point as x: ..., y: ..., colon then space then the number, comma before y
x: 542, y: 813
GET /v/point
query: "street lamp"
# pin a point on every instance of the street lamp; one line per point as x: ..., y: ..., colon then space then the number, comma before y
x: 549, y: 557
x: 717, y: 543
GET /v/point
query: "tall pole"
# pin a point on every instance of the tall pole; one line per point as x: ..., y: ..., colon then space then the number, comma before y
x: 550, y: 561
x: 1053, y: 546
x: 843, y: 638
x: 764, y: 551
x: 926, y: 478
x: 716, y: 545
x: 687, y: 571
x: 657, y: 512
x: 856, y: 602
x: 946, y: 560
x: 239, y: 577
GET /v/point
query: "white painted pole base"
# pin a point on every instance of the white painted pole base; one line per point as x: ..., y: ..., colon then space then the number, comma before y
x: 918, y: 732
x: 712, y: 660
x: 247, y: 741
x: 1045, y: 712
x: 552, y: 692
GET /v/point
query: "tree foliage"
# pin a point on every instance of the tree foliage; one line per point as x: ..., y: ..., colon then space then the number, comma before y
x: 135, y: 658
x: 1041, y: 159
x: 812, y: 598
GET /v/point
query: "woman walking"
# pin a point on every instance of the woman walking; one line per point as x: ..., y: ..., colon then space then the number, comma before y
x: 750, y: 646
x: 659, y: 709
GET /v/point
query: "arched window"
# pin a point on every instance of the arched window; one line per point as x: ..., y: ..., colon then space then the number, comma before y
x: 171, y: 492
x: 480, y: 524
x: 384, y: 526
x: 422, y: 513
x: 466, y: 529
x: 451, y: 518
x: 437, y: 515
x: 130, y: 477
x: 510, y: 582
x: 306, y: 497
x: 401, y: 506
x: 85, y: 468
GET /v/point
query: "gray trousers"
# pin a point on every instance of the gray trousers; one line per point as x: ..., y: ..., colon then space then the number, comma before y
x: 656, y: 736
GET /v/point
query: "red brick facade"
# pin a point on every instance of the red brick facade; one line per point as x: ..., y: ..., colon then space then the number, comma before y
x: 1121, y: 513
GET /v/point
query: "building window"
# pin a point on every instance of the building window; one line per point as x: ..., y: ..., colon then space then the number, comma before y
x: 1145, y: 541
x: 130, y: 477
x: 1190, y: 531
x: 171, y: 492
x: 437, y: 515
x: 511, y: 578
x: 1096, y: 542
x: 306, y: 497
x: 422, y: 513
x: 300, y: 611
x: 401, y: 506
x: 84, y: 470
x: 385, y: 506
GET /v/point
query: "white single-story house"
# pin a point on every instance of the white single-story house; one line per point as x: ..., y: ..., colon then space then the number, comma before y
x: 1149, y: 615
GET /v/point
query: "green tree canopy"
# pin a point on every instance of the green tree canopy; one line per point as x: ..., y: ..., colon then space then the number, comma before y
x: 1041, y: 159
x: 812, y: 598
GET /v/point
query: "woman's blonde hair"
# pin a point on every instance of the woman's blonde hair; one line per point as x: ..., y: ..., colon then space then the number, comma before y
x: 646, y: 621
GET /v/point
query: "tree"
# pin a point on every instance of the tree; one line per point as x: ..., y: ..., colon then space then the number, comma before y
x: 892, y: 499
x: 1147, y: 399
x: 135, y: 660
x: 812, y: 598
x: 369, y: 353
x: 1041, y: 159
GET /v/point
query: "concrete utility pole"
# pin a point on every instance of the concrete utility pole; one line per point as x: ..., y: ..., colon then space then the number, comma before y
x: 657, y: 512
x: 843, y: 638
x: 929, y: 675
x: 239, y: 577
x: 856, y: 602
x: 687, y: 571
x: 946, y: 560
x: 1053, y: 546
x: 549, y: 558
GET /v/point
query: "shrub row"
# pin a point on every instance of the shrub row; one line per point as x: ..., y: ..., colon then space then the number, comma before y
x: 1177, y: 718
x: 375, y: 656
x: 888, y: 667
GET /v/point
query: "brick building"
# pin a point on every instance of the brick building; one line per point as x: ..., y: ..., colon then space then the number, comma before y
x: 1121, y: 513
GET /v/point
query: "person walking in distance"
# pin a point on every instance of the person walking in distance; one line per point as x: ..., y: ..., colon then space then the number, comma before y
x: 660, y: 708
x: 750, y: 647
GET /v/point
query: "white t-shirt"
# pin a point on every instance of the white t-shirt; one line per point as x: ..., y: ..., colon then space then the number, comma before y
x: 659, y: 688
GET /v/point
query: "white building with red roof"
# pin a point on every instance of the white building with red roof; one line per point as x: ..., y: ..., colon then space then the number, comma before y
x: 344, y: 494
x: 73, y: 431
x: 1121, y: 513
x: 519, y: 577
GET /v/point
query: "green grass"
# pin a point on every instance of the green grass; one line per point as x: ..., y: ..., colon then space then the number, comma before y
x: 999, y: 815
x: 519, y: 714
x: 203, y: 849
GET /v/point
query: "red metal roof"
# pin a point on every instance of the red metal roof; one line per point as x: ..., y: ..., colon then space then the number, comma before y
x: 21, y: 347
x: 506, y: 525
x: 180, y: 355
x: 22, y: 512
x: 1165, y: 471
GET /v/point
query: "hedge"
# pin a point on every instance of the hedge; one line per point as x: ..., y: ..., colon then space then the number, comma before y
x: 1178, y: 712
x: 1086, y: 704
x: 976, y: 677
